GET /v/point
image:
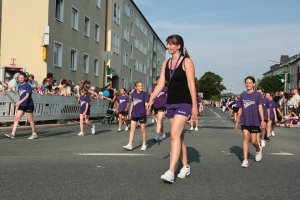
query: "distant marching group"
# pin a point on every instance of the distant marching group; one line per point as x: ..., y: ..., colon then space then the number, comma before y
x: 174, y: 94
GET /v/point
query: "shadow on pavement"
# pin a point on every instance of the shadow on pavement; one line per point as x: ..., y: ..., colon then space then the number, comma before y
x: 238, y: 151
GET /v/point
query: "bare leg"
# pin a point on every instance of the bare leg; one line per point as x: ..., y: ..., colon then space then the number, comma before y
x: 178, y: 124
x: 245, y: 143
x: 88, y: 122
x: 159, y: 124
x: 81, y: 122
x: 132, y: 129
x: 16, y: 121
x: 30, y: 120
x: 255, y: 142
x: 120, y: 121
x: 143, y: 130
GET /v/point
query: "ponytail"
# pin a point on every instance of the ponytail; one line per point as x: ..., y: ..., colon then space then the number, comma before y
x: 185, y: 53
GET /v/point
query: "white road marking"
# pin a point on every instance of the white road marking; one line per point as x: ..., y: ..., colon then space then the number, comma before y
x: 111, y: 154
x: 283, y: 154
x: 214, y: 112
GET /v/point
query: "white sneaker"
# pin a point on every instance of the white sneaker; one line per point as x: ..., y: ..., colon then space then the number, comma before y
x: 168, y: 176
x: 192, y: 128
x: 11, y: 136
x: 152, y: 121
x: 155, y: 138
x: 33, y: 136
x: 273, y: 134
x: 93, y: 130
x: 188, y: 121
x: 144, y: 147
x: 245, y: 163
x: 126, y: 128
x: 162, y: 136
x: 196, y: 129
x: 262, y: 143
x: 119, y: 129
x: 184, y: 172
x: 81, y: 134
x: 128, y: 147
x: 258, y: 155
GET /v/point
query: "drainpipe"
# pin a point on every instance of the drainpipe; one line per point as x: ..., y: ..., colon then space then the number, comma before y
x: 105, y: 43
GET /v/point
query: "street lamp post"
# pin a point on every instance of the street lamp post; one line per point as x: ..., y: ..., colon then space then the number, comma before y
x: 285, y: 74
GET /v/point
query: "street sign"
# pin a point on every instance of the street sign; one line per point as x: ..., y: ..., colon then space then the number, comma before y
x: 106, y: 55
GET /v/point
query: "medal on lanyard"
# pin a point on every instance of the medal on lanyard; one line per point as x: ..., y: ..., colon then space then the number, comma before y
x: 173, y: 71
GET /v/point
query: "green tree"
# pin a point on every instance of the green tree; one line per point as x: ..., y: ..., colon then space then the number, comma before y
x: 271, y: 84
x: 211, y: 86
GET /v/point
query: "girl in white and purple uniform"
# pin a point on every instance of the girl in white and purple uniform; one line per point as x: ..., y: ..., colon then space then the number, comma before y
x: 122, y: 108
x: 179, y: 72
x: 250, y: 114
x: 84, y: 102
x: 196, y: 120
x: 138, y: 113
x: 160, y: 108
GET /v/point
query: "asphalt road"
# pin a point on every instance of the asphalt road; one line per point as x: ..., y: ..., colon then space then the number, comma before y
x: 62, y: 165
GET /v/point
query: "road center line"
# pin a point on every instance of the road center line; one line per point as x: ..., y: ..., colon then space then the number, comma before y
x: 214, y: 112
x: 111, y: 154
x: 283, y: 154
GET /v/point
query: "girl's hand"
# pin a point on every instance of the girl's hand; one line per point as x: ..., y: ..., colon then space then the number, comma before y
x: 194, y: 114
x: 129, y: 116
x: 18, y: 104
x: 236, y: 126
x: 84, y: 114
x: 148, y: 107
x: 262, y: 124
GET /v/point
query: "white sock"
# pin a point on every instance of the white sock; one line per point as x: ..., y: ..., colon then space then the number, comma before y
x: 144, y: 143
x: 130, y: 143
x: 13, y: 133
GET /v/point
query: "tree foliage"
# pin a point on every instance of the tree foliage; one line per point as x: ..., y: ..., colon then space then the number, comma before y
x: 271, y: 84
x: 211, y: 86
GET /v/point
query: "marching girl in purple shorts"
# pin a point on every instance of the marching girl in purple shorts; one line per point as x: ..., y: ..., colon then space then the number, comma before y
x: 138, y: 113
x: 179, y: 72
x: 251, y: 116
x: 160, y: 108
x: 85, y: 111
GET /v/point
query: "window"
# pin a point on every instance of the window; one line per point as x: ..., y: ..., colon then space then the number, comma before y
x: 131, y: 52
x: 87, y: 26
x: 74, y: 19
x: 140, y: 67
x: 57, y: 54
x: 85, y: 63
x: 73, y: 61
x: 96, y: 66
x: 59, y: 9
x: 145, y: 50
x: 150, y: 74
x: 141, y: 46
x: 116, y: 13
x: 132, y: 27
x: 130, y: 72
x: 125, y: 59
x: 144, y: 69
x: 136, y: 42
x: 126, y: 34
x: 116, y: 43
x: 125, y: 82
x: 146, y: 32
x: 137, y: 21
x: 136, y: 65
x: 127, y: 9
x: 97, y: 32
x: 98, y: 3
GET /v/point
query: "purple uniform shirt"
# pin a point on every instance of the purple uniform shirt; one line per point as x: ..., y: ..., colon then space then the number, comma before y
x: 249, y: 104
x: 161, y: 99
x: 272, y: 105
x: 23, y: 90
x: 122, y: 101
x: 139, y: 100
x: 265, y: 106
x: 83, y: 101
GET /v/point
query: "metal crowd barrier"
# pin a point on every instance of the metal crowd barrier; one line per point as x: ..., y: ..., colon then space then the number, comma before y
x: 49, y: 107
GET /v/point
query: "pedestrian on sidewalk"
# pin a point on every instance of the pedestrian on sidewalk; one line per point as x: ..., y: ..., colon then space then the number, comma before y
x: 179, y: 72
x: 24, y: 105
x: 138, y: 113
x: 123, y: 103
x: 250, y: 114
x: 84, y: 102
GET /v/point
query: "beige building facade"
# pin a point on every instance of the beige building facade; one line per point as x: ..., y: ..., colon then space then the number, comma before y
x: 66, y: 38
x: 137, y: 50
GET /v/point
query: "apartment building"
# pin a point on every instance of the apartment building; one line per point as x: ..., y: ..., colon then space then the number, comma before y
x: 287, y: 65
x: 66, y: 37
x: 138, y: 52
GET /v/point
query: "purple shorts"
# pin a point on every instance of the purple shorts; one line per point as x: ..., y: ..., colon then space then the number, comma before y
x: 184, y: 109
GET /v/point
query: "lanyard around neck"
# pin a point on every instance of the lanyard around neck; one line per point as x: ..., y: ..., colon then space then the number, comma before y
x: 173, y: 70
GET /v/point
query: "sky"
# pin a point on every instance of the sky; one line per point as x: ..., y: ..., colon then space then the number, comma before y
x: 231, y: 38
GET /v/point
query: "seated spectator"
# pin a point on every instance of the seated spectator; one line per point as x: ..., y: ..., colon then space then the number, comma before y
x: 32, y: 82
x: 54, y: 84
x: 56, y: 91
x: 50, y: 78
x: 70, y: 87
x: 63, y: 87
x: 77, y: 89
x: 87, y: 85
x: 13, y: 84
x: 44, y: 87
